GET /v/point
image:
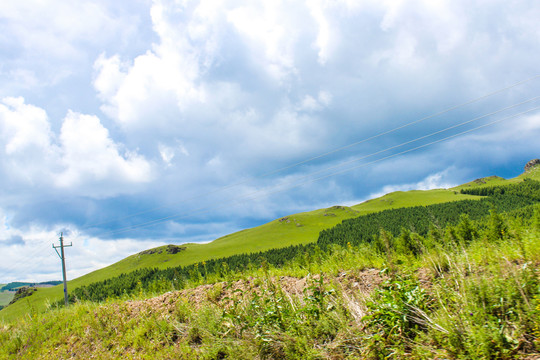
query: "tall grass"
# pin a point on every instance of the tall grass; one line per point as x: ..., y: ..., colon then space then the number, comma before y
x: 449, y: 295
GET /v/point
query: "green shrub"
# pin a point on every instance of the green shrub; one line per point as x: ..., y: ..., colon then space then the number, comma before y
x: 396, y: 314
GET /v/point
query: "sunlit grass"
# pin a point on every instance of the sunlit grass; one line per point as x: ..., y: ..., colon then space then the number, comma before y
x: 477, y: 301
x: 6, y: 296
x: 289, y: 230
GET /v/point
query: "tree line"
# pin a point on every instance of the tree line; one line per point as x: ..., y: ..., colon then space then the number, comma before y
x: 405, y: 230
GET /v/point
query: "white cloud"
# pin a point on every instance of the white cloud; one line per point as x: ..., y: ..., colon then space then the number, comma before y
x: 269, y: 35
x: 163, y: 77
x: 66, y: 31
x: 317, y: 10
x: 439, y: 180
x: 90, y: 155
x: 23, y: 126
x: 175, y: 72
x: 154, y: 82
x: 195, y: 95
x: 442, y: 21
x: 110, y: 76
x: 167, y: 154
x: 309, y: 103
x: 56, y: 32
x: 258, y: 85
x: 28, y: 253
x: 27, y: 139
x: 84, y: 158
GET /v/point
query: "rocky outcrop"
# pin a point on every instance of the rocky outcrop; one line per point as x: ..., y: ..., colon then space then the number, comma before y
x: 532, y: 164
x: 22, y: 293
x: 173, y: 249
x: 170, y: 249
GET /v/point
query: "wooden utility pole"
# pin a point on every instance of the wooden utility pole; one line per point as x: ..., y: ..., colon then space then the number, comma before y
x: 63, y: 258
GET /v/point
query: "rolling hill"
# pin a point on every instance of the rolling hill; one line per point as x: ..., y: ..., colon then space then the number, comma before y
x: 294, y: 229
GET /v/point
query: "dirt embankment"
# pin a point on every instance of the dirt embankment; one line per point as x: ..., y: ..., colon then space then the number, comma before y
x: 353, y: 284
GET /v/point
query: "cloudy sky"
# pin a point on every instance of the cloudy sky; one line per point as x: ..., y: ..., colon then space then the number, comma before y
x: 132, y: 124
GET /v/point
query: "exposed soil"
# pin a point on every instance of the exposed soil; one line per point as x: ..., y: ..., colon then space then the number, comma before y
x: 351, y: 284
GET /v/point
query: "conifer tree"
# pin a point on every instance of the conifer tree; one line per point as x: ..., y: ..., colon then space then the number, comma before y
x: 497, y: 228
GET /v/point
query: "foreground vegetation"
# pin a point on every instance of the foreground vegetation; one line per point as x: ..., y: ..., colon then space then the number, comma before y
x: 453, y: 280
x: 357, y: 231
x: 297, y: 229
x: 469, y: 290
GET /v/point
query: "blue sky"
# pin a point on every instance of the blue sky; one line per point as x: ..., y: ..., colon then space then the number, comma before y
x: 133, y: 124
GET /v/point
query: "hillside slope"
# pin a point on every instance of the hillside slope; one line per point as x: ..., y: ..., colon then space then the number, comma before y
x: 471, y: 291
x: 294, y: 229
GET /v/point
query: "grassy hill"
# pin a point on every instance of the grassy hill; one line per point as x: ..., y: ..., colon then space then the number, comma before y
x: 294, y: 229
x: 5, y: 296
x: 467, y: 290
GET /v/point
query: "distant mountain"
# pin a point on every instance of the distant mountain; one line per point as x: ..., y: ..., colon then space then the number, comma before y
x: 13, y: 286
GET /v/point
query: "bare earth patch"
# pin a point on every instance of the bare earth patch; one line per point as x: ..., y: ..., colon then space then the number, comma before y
x: 352, y: 285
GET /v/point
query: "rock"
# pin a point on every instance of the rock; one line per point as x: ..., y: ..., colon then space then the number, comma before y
x: 149, y: 252
x: 173, y: 249
x: 170, y: 249
x: 22, y: 293
x: 532, y: 164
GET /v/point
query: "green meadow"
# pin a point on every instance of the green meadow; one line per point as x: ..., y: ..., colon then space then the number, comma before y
x: 289, y: 230
x: 469, y: 289
x: 5, y: 297
x: 301, y: 228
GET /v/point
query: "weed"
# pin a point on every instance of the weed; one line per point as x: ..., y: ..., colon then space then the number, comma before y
x: 482, y: 302
x: 395, y: 314
x: 214, y: 294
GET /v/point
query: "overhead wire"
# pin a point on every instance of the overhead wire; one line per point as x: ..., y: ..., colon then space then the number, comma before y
x: 386, y: 157
x: 174, y: 216
x: 424, y: 145
x: 30, y: 263
x: 266, y: 193
x: 320, y: 156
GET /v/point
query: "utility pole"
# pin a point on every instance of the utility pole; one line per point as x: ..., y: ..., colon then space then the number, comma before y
x: 63, y: 258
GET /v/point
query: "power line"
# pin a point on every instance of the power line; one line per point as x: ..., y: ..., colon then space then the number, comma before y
x: 42, y: 247
x: 424, y: 145
x: 390, y: 156
x: 204, y: 209
x: 420, y: 138
x: 447, y: 110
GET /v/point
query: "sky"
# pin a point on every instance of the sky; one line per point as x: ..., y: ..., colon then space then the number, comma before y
x: 127, y: 125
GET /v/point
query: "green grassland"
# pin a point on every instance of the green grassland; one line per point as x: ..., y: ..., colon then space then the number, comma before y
x: 471, y: 291
x: 533, y: 173
x: 294, y: 229
x: 487, y: 181
x: 6, y: 297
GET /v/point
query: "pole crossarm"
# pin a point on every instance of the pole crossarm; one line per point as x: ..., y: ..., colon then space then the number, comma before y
x: 59, y: 246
